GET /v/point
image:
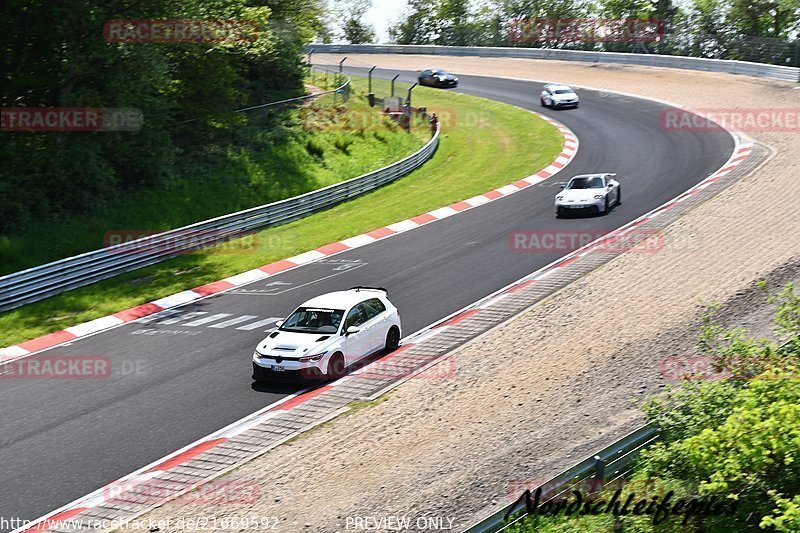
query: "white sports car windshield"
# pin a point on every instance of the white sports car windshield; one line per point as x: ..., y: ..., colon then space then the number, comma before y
x: 586, y: 183
x: 313, y: 320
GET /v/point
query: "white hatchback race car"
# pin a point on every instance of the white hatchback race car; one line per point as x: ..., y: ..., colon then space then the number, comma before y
x: 326, y: 334
x: 555, y: 95
x: 595, y: 193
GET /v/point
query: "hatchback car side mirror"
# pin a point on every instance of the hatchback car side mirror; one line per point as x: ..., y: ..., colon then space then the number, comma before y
x: 352, y: 329
x: 279, y: 323
x: 562, y: 186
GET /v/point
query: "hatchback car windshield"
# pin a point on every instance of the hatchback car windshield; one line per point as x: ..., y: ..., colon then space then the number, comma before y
x: 586, y: 183
x: 562, y: 91
x: 313, y: 320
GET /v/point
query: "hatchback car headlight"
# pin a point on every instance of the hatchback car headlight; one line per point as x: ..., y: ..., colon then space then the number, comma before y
x: 598, y: 196
x: 312, y: 358
x: 559, y: 197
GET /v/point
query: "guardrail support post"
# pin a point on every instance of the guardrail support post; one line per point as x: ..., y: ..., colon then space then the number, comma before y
x: 599, y: 468
x: 393, y: 83
x: 309, y: 55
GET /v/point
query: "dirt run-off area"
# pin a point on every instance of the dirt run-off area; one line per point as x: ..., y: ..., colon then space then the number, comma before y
x: 449, y: 449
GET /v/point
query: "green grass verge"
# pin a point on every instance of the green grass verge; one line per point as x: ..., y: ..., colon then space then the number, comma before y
x: 484, y: 144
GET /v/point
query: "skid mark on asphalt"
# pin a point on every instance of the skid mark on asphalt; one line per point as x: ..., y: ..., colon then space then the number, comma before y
x: 160, y: 315
x: 208, y: 319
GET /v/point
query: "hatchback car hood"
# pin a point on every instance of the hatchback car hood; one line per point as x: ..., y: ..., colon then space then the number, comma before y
x: 580, y: 195
x: 295, y: 344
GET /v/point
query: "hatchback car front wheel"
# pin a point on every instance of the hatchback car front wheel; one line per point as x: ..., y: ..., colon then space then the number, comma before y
x: 336, y: 366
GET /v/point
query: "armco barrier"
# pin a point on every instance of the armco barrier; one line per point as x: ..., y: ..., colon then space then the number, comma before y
x: 759, y: 70
x: 607, y: 465
x: 46, y: 280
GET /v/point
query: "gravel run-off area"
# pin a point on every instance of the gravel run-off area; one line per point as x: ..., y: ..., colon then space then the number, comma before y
x: 450, y: 448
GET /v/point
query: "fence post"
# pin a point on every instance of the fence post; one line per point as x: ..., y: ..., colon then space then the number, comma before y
x: 370, y: 94
x: 408, y: 100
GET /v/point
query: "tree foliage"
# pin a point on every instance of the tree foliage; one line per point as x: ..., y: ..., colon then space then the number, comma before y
x: 354, y: 29
x: 758, y: 30
x: 54, y: 54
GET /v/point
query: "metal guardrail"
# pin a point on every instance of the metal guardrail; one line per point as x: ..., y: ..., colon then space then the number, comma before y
x: 46, y: 280
x: 607, y: 465
x: 746, y: 68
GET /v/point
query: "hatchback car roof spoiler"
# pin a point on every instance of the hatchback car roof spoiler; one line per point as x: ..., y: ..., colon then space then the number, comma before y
x: 365, y: 288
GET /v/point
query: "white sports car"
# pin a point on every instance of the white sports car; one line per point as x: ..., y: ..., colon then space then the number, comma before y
x: 589, y: 192
x: 555, y: 95
x: 326, y: 334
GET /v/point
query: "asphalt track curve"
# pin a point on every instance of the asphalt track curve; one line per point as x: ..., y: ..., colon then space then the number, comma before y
x: 178, y: 377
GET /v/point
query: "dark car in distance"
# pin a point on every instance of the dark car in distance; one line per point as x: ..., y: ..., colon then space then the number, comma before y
x: 437, y: 78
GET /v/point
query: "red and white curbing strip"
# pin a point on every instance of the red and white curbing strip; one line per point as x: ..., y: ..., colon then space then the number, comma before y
x: 100, y: 324
x: 741, y: 152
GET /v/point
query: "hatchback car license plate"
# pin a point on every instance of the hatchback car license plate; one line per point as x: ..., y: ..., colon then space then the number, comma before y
x: 575, y: 206
x: 278, y: 368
